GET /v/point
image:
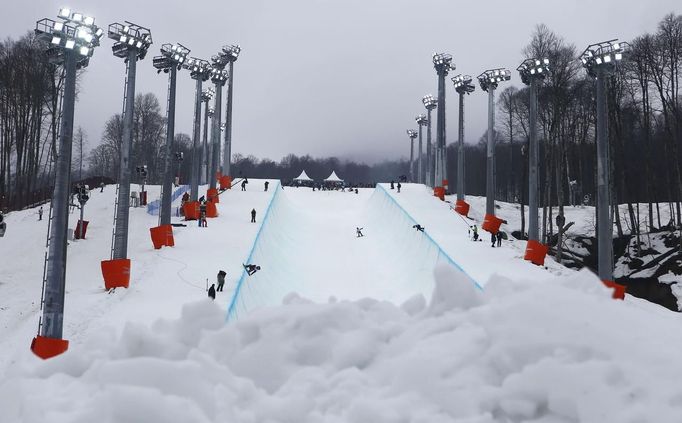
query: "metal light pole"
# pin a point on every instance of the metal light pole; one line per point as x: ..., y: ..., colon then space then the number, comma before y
x: 463, y: 86
x: 171, y: 60
x: 421, y: 121
x: 532, y: 72
x: 412, y: 134
x: 218, y: 77
x: 442, y: 62
x: 199, y: 71
x: 71, y: 40
x: 232, y: 53
x: 489, y: 81
x: 206, y: 150
x: 600, y: 60
x: 131, y: 43
x: 430, y: 104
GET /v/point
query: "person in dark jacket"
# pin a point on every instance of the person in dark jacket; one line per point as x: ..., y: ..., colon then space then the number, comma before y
x: 267, y: 184
x: 244, y: 182
x: 253, y: 216
x: 493, y: 239
x: 221, y: 280
x: 211, y: 292
x: 399, y: 186
x: 499, y: 238
x: 392, y: 185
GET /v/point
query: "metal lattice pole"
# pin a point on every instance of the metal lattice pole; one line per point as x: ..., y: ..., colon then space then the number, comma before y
x: 227, y: 154
x: 429, y: 151
x: 165, y: 212
x: 490, y: 156
x: 196, y: 145
x: 55, y: 283
x: 120, y: 250
x: 533, y: 162
x: 205, y: 153
x: 604, y: 220
x: 460, y: 151
x: 215, y: 135
x: 440, y: 131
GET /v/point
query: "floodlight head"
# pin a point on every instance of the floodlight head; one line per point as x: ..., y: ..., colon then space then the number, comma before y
x: 172, y: 56
x: 463, y: 84
x: 218, y: 76
x: 199, y: 69
x: 73, y: 33
x: 490, y: 79
x: 429, y: 102
x: 422, y: 120
x: 442, y: 62
x: 232, y: 52
x: 412, y: 133
x: 603, y: 57
x: 128, y: 37
x: 533, y: 68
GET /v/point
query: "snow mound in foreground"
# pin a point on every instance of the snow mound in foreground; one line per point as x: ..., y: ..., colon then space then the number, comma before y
x: 558, y: 351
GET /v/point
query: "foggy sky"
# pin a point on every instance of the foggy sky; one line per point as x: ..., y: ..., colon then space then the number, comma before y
x: 331, y: 77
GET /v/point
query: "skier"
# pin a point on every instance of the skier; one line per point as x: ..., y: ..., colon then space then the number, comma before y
x: 267, y: 183
x: 211, y: 292
x: 418, y: 227
x: 358, y: 231
x: 253, y: 216
x: 399, y: 186
x: 251, y: 268
x: 475, y: 231
x: 392, y: 185
x: 244, y: 182
x: 221, y: 280
x: 40, y: 213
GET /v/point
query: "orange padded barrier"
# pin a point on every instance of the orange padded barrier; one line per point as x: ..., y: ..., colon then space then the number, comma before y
x: 618, y: 290
x: 116, y: 273
x: 191, y: 210
x: 45, y: 347
x: 536, y: 252
x: 212, y: 195
x: 225, y: 182
x: 491, y: 223
x: 462, y: 207
x: 81, y: 229
x: 211, y: 209
x: 439, y: 192
x: 162, y: 236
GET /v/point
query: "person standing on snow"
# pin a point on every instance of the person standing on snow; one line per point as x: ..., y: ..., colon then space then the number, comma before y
x: 475, y: 231
x: 493, y: 239
x: 253, y: 216
x: 211, y: 292
x: 40, y: 213
x: 221, y: 280
x: 244, y: 182
x: 392, y: 185
x: 399, y: 186
x: 499, y: 239
x: 358, y: 231
x: 267, y: 183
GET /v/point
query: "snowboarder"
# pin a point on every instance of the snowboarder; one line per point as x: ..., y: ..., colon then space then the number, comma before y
x: 251, y: 268
x: 267, y: 183
x: 253, y: 215
x: 40, y: 213
x: 244, y: 182
x: 221, y: 280
x: 211, y: 292
x: 392, y: 185
x: 399, y: 186
x: 475, y: 231
x: 358, y: 231
x: 499, y: 239
x: 493, y: 239
x: 418, y: 227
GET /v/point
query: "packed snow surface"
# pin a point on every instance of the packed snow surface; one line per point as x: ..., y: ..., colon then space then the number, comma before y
x: 308, y: 343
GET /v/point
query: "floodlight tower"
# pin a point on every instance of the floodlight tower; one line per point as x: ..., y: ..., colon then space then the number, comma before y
x: 199, y: 70
x: 71, y: 42
x: 489, y: 80
x: 463, y: 86
x: 231, y: 53
x: 218, y: 77
x: 430, y: 104
x: 206, y: 97
x: 131, y: 43
x: 170, y: 61
x: 412, y: 134
x: 442, y: 62
x: 421, y: 121
x: 532, y: 72
x: 601, y: 60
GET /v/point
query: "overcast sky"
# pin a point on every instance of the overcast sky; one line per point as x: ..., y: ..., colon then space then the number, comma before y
x: 331, y: 77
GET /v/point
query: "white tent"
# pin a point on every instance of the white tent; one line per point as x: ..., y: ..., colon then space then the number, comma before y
x: 303, y: 177
x: 333, y: 178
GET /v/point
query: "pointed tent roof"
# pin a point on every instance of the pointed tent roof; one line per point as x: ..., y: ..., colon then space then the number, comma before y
x: 333, y: 178
x: 303, y: 177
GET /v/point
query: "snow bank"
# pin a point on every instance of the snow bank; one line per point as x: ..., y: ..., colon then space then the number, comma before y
x: 556, y: 351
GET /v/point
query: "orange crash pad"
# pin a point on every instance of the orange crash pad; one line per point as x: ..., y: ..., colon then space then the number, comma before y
x: 491, y: 223
x: 116, y: 273
x: 462, y: 207
x: 162, y: 236
x: 536, y: 252
x: 45, y: 347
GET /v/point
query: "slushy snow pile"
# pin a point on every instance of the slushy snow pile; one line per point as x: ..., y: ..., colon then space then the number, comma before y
x: 558, y: 350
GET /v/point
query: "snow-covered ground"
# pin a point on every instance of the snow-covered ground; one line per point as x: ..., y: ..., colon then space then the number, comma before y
x: 533, y: 345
